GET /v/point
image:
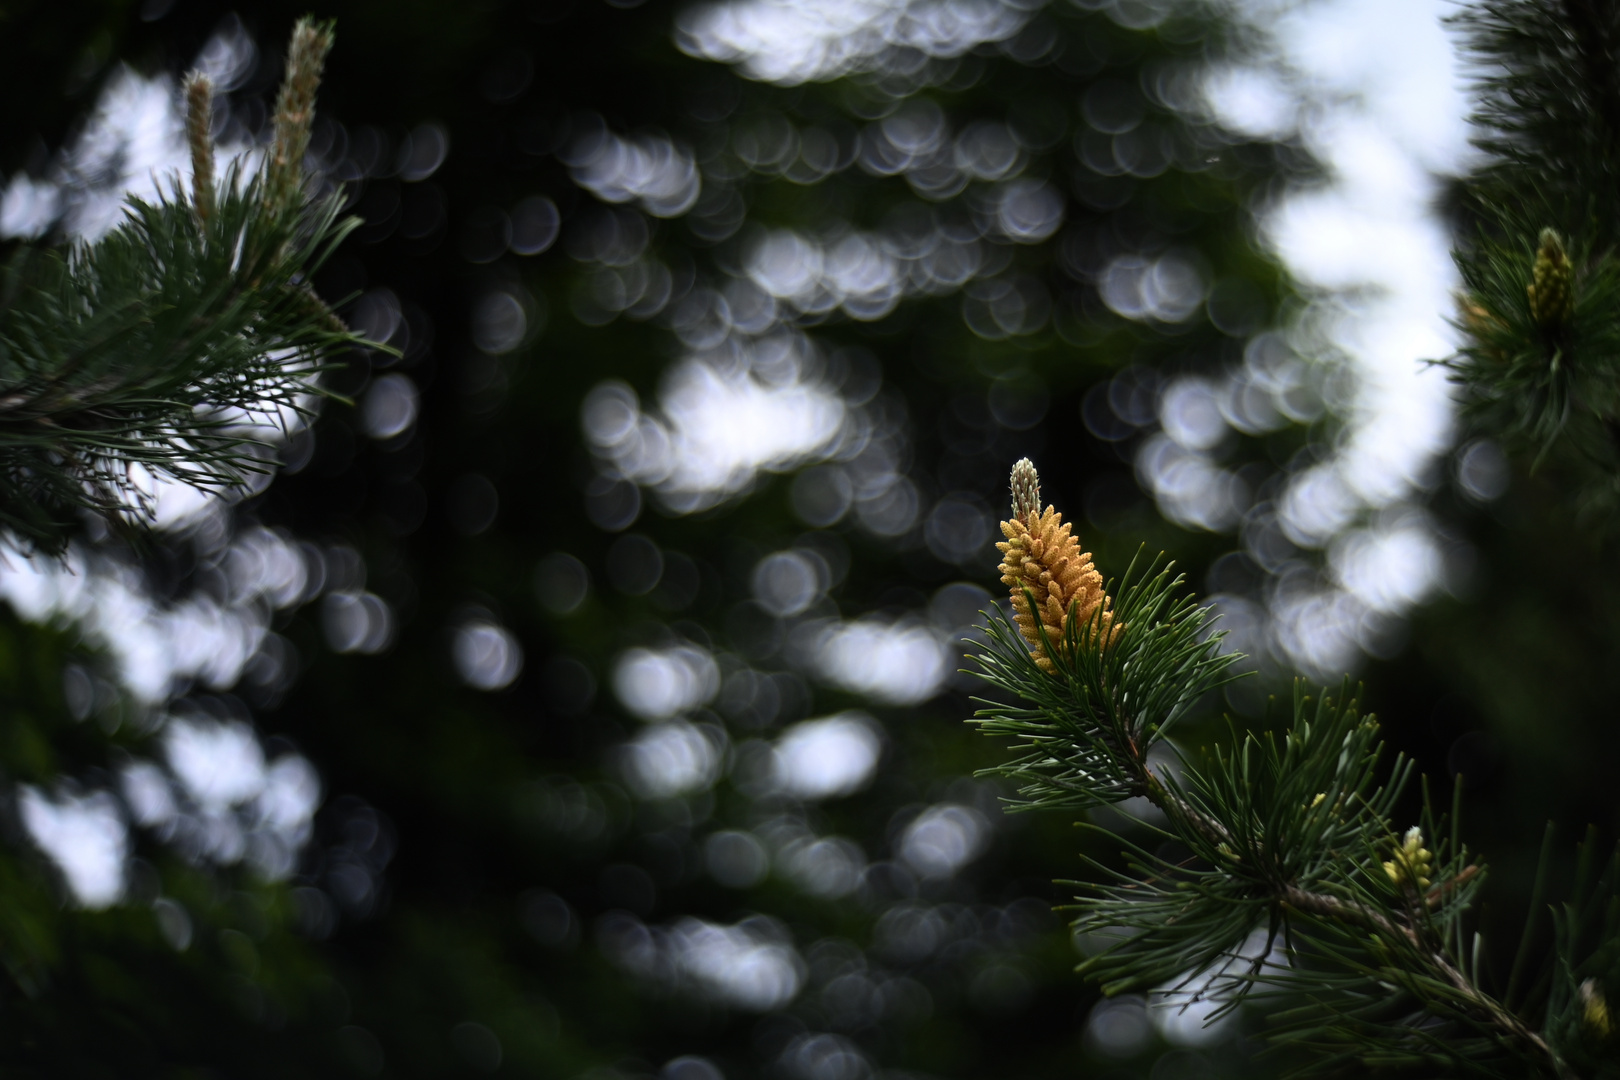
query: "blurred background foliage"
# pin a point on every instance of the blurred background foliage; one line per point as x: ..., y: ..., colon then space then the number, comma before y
x: 582, y: 701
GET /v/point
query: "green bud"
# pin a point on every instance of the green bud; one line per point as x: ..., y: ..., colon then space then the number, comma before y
x: 1552, y: 284
x: 1412, y: 862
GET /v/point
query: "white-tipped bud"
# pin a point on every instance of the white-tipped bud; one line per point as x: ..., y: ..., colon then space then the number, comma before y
x: 295, y: 107
x: 1026, y: 490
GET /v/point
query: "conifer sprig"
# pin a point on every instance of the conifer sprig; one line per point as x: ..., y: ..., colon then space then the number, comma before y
x: 169, y: 344
x: 1093, y: 704
x: 1369, y: 952
x: 1099, y: 683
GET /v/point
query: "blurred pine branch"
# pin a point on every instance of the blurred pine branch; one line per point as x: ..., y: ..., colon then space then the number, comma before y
x: 1539, y: 363
x: 169, y: 349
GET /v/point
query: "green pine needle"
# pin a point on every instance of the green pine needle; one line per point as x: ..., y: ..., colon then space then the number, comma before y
x: 166, y: 345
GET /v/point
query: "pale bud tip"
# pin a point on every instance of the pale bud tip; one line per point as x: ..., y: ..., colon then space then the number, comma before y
x: 1026, y: 490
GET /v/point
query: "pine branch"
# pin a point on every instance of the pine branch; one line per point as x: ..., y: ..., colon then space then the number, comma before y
x: 1384, y: 928
x: 1540, y: 359
x: 1292, y: 832
x: 171, y: 345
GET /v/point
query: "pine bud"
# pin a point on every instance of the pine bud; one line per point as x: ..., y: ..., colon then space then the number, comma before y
x: 200, y: 137
x: 1552, y: 286
x: 1412, y: 863
x: 1042, y: 560
x: 295, y: 106
x: 1026, y: 490
x: 1595, y: 1010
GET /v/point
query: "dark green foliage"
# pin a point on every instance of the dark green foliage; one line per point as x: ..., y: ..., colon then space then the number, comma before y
x: 1549, y: 122
x: 243, y: 953
x: 1548, y: 99
x: 1548, y: 118
x: 1541, y: 387
x: 159, y: 348
x: 1586, y: 966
